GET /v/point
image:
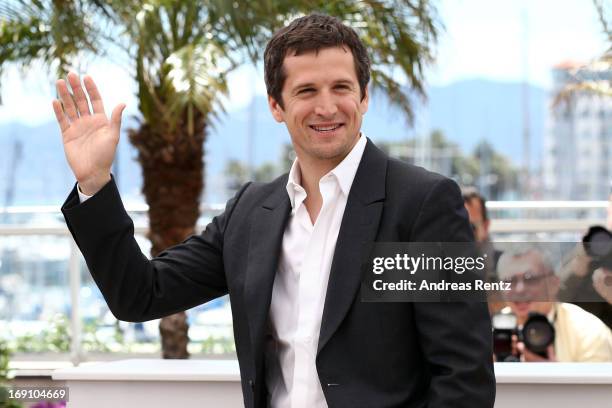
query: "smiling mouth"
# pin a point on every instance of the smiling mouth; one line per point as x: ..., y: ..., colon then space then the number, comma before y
x: 328, y: 128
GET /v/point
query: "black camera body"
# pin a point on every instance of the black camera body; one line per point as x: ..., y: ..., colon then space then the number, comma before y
x: 537, y: 334
x: 504, y: 327
x: 598, y: 245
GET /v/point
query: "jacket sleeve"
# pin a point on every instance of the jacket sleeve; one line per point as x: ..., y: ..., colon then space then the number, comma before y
x: 456, y: 337
x: 135, y: 288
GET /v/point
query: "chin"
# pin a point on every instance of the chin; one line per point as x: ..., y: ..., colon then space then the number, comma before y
x: 521, y: 309
x: 328, y: 151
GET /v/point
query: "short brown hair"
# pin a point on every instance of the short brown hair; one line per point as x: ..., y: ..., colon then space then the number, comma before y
x: 312, y: 33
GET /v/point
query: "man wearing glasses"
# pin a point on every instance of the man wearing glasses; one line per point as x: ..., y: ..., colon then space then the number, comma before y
x: 579, y: 335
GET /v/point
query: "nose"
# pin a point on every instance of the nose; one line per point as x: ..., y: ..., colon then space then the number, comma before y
x: 325, y: 105
x: 520, y: 286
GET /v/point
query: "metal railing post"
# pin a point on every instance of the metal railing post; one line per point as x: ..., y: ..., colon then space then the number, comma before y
x: 74, y: 274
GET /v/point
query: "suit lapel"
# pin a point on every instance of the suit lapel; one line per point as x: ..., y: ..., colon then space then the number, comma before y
x: 265, y: 241
x: 359, y: 226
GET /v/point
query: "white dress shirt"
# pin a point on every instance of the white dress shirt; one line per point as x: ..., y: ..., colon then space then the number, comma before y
x: 82, y: 196
x: 300, y: 286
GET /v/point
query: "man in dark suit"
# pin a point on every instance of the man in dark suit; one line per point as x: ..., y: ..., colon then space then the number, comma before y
x: 288, y: 252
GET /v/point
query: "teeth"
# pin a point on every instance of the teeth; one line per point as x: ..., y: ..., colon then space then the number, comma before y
x: 325, y: 128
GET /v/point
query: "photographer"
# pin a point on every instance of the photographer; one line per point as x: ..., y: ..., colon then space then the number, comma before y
x: 475, y: 204
x: 579, y: 336
x: 585, y: 279
x: 582, y: 282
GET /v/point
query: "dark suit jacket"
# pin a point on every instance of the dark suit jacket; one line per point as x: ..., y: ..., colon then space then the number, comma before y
x: 369, y: 354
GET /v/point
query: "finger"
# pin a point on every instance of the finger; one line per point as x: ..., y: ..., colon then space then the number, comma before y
x: 520, y: 346
x: 551, y: 353
x: 529, y: 356
x: 514, y: 345
x: 116, y: 118
x: 66, y: 98
x: 62, y: 120
x: 79, y: 95
x: 94, y: 95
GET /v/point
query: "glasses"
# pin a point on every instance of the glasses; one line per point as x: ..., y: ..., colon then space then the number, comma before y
x: 528, y: 279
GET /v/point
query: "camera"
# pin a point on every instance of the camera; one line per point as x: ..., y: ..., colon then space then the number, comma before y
x: 598, y: 245
x: 537, y: 334
x: 504, y: 327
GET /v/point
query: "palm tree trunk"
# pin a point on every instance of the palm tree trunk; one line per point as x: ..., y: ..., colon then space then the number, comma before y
x: 173, y: 180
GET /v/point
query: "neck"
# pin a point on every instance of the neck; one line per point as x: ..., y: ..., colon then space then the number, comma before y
x: 312, y: 174
x: 312, y: 169
x: 540, y: 307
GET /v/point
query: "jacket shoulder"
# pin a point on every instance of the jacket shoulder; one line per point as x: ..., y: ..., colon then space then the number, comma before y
x: 405, y: 169
x: 257, y: 192
x: 414, y: 178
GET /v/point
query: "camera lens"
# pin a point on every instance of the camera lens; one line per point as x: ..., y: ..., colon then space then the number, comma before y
x: 598, y: 242
x: 538, y: 333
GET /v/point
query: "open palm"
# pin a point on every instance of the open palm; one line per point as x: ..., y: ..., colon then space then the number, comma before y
x: 90, y: 138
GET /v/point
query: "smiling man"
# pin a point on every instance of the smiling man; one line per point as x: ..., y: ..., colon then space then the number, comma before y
x: 289, y: 252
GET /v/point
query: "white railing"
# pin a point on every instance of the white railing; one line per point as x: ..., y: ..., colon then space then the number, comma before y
x: 546, y: 216
x: 524, y: 205
x: 76, y: 354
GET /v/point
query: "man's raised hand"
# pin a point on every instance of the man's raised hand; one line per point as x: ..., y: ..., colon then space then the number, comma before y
x: 90, y: 138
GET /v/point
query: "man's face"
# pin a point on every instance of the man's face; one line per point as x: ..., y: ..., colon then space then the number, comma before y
x: 323, y: 107
x: 479, y: 224
x: 532, y: 283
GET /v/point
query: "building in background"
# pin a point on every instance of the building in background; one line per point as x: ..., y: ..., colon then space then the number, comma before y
x: 577, y: 162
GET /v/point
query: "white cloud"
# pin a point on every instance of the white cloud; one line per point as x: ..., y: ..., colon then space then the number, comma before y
x: 244, y: 83
x: 490, y: 39
x: 27, y: 97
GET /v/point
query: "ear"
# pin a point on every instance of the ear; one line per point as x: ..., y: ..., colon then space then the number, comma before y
x: 363, y: 105
x: 275, y: 109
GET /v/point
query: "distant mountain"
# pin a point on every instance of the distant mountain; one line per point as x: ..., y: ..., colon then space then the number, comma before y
x: 466, y: 111
x: 470, y: 111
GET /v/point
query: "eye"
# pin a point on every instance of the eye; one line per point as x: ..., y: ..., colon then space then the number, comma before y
x: 305, y: 91
x: 342, y: 87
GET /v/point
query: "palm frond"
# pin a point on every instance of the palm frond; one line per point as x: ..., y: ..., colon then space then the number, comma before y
x: 50, y: 32
x: 195, y: 79
x: 598, y: 80
x: 601, y: 88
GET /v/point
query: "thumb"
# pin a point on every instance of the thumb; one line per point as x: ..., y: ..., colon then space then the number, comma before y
x: 115, y: 120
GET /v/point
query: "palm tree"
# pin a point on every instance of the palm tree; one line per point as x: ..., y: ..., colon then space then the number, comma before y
x: 180, y: 53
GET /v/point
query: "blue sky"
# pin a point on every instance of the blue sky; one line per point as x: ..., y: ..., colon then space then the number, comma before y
x: 500, y: 40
